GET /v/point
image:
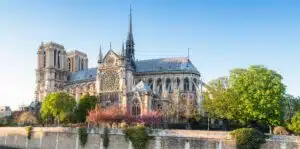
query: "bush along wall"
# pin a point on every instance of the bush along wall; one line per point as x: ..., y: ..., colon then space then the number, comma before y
x: 138, y: 135
x: 83, y: 136
x: 28, y: 130
x: 105, y: 137
x: 248, y: 138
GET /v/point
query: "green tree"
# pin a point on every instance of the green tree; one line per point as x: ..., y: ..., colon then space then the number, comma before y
x: 58, y: 105
x: 259, y: 94
x: 295, y: 123
x: 217, y: 101
x: 292, y: 106
x: 86, y: 103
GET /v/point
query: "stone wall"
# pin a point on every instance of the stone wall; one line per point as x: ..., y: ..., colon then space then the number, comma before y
x: 67, y: 138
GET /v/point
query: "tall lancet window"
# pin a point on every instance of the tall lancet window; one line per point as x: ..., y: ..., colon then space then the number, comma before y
x: 69, y: 64
x: 186, y: 84
x: 178, y: 83
x: 58, y: 59
x: 44, y: 59
x: 82, y: 64
x: 159, y: 85
x: 168, y: 85
x: 54, y: 57
x: 136, y: 108
x: 150, y: 83
x: 194, y: 84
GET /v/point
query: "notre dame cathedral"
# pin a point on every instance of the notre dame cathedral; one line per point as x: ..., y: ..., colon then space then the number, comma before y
x: 119, y: 79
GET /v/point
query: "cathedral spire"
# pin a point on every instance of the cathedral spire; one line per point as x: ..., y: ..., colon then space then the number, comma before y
x: 100, y: 57
x: 130, y: 24
x: 130, y: 41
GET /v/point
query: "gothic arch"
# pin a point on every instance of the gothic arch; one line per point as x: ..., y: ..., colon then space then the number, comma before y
x: 168, y: 85
x: 44, y: 59
x: 136, y: 107
x: 159, y: 85
x: 150, y: 83
x: 186, y: 84
x: 177, y: 83
x: 194, y: 86
x: 82, y: 65
x: 69, y: 64
x: 54, y: 57
x: 58, y: 59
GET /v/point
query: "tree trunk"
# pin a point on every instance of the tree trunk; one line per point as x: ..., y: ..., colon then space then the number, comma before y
x: 270, y: 129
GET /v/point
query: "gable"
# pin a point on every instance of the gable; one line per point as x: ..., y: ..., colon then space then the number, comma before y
x: 111, y: 58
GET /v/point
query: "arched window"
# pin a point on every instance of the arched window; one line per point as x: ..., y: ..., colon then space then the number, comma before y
x: 159, y: 85
x: 136, y: 108
x: 69, y: 64
x: 194, y: 84
x: 81, y: 64
x: 44, y: 59
x: 78, y: 64
x: 178, y: 83
x: 186, y: 84
x: 168, y: 85
x: 150, y: 83
x: 54, y: 57
x: 58, y: 59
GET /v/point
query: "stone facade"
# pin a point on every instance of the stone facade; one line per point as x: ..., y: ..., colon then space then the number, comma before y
x: 119, y: 79
x: 67, y: 138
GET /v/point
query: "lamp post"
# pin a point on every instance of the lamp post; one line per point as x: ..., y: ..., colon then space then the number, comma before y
x: 207, y: 121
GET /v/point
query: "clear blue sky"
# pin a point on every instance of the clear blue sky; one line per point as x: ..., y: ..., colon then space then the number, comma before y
x: 221, y: 34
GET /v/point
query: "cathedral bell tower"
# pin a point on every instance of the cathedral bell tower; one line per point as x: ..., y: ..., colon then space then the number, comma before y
x: 51, y: 71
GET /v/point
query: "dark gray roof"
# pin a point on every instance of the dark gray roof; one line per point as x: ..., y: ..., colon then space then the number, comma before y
x: 177, y: 64
x: 82, y: 75
x: 161, y: 65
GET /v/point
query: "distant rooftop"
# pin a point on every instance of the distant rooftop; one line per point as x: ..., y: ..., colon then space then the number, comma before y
x: 83, y: 75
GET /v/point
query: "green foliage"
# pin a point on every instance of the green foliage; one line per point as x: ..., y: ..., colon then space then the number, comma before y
x: 294, y: 125
x: 217, y: 101
x: 259, y: 94
x: 27, y: 118
x: 254, y: 94
x: 138, y: 136
x: 105, y: 137
x: 85, y: 104
x: 83, y: 136
x: 28, y: 130
x: 57, y: 105
x: 292, y: 105
x: 248, y: 138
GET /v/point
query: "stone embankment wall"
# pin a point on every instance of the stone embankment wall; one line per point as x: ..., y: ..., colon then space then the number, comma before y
x: 67, y: 138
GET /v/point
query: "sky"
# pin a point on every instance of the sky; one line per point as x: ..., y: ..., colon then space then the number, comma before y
x: 221, y: 35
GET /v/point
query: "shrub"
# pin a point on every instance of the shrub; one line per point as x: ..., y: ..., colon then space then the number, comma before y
x: 105, y: 137
x: 137, y: 135
x: 294, y: 126
x: 27, y: 118
x: 28, y: 130
x: 83, y: 136
x: 248, y: 138
x: 279, y: 130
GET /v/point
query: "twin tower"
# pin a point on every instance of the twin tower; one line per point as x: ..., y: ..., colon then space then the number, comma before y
x: 58, y: 70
